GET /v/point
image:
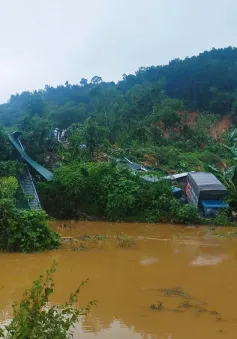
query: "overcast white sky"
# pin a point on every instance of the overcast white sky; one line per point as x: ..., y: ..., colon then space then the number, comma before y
x: 52, y: 41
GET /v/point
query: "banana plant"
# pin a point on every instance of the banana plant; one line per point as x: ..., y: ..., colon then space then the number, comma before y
x: 227, y: 178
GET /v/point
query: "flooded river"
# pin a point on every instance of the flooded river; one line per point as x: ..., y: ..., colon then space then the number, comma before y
x: 166, y: 282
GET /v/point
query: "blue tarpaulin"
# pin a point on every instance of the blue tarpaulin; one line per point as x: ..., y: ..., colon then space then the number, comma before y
x: 177, y: 192
x: 214, y: 204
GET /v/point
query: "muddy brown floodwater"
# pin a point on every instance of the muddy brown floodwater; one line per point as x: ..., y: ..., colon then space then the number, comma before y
x: 167, y: 282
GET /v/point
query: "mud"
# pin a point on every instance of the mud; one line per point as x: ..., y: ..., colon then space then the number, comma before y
x: 164, y: 281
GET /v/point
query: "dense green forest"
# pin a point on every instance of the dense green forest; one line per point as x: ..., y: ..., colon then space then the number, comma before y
x: 165, y: 117
x: 206, y: 82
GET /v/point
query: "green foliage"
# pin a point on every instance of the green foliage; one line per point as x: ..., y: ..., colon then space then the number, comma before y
x: 35, y: 235
x: 144, y: 114
x: 156, y: 135
x: 22, y: 230
x: 201, y: 131
x: 36, y: 318
x: 94, y: 136
x: 234, y: 109
x: 222, y: 219
x: 5, y: 149
x: 226, y: 234
x: 122, y: 196
x: 124, y: 241
x: 36, y: 136
x: 105, y: 190
x: 96, y: 237
x: 221, y: 101
x: 229, y: 176
x: 168, y: 156
x: 10, y: 168
x: 90, y: 134
x: 203, y: 82
x: 166, y: 112
x: 8, y: 187
x: 209, y: 158
x: 74, y: 151
x: 68, y: 114
x: 184, y: 214
x: 34, y: 104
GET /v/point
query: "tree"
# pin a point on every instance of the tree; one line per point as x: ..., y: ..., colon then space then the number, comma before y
x: 206, y: 82
x: 96, y: 80
x: 69, y: 114
x: 83, y: 82
x: 221, y: 101
x: 5, y: 147
x: 36, y: 136
x: 234, y: 109
x: 166, y: 112
x: 94, y: 136
x: 34, y: 104
x: 201, y: 130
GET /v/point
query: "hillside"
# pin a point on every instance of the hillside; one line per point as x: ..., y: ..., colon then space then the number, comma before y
x: 166, y: 112
x: 206, y: 82
x: 174, y: 118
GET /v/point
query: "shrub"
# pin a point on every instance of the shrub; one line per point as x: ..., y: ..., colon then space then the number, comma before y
x: 5, y: 150
x: 29, y: 231
x: 183, y: 214
x: 168, y: 156
x: 209, y: 158
x: 124, y: 241
x: 105, y: 190
x: 10, y: 168
x: 35, y: 318
x: 22, y: 230
x: 222, y: 219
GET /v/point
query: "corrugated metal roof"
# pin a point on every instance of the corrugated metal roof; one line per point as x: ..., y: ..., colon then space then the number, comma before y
x: 150, y: 178
x: 40, y: 169
x: 206, y: 181
x: 176, y: 176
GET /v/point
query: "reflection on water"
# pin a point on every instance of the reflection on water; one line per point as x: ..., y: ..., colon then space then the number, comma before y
x: 148, y: 261
x: 180, y: 287
x: 116, y: 330
x: 208, y: 260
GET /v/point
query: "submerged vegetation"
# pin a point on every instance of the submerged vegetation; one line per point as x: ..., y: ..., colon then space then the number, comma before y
x: 124, y: 241
x: 226, y: 234
x: 190, y: 305
x: 98, y: 241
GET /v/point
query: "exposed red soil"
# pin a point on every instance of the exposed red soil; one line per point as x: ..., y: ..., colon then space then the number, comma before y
x: 150, y: 160
x: 221, y: 126
x: 189, y: 118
